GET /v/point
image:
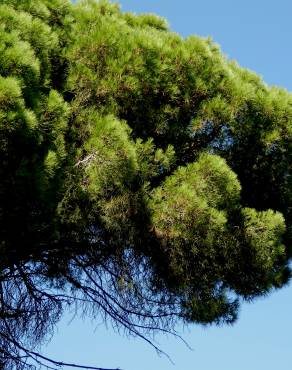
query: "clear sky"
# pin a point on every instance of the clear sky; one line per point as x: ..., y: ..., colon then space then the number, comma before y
x: 258, y: 35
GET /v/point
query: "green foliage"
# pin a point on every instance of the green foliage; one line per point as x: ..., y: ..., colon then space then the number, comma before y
x: 206, y: 239
x: 112, y: 158
x: 153, y: 162
x: 136, y: 166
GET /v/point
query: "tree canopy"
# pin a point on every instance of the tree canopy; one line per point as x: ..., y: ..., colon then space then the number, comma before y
x: 143, y: 177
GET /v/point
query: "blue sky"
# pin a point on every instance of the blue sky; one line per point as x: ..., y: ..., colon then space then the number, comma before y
x: 258, y: 35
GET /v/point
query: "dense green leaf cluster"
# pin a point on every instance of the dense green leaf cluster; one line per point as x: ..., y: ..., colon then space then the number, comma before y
x: 131, y: 152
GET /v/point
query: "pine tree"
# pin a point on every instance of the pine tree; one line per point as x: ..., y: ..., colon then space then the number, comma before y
x: 144, y: 177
